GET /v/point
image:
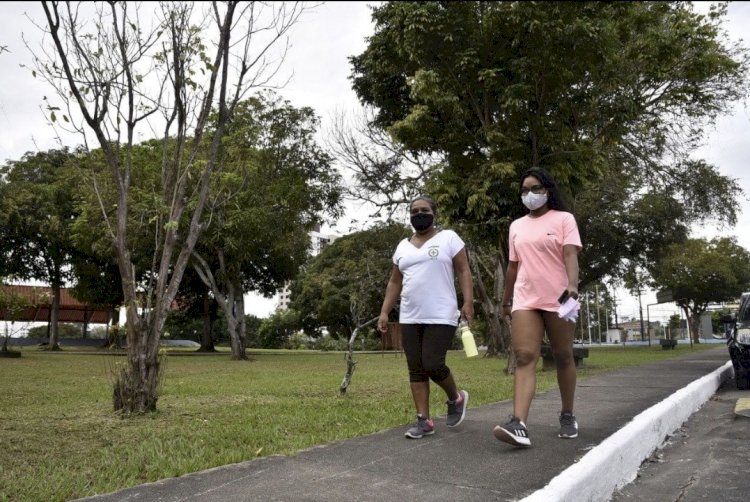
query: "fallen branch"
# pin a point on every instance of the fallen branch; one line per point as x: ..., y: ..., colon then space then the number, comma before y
x: 350, y: 362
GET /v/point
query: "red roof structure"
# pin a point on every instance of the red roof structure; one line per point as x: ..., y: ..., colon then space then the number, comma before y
x: 70, y: 309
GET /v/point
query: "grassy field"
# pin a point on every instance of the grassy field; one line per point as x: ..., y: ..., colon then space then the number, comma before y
x: 60, y: 439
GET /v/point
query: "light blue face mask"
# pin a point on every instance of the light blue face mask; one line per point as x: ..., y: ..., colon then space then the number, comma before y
x: 534, y: 200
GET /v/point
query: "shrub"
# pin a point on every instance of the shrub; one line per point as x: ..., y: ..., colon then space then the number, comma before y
x: 327, y: 343
x: 63, y: 331
x: 299, y: 341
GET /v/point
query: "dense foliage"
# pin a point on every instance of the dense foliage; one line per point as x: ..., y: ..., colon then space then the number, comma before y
x: 343, y: 287
x: 698, y: 272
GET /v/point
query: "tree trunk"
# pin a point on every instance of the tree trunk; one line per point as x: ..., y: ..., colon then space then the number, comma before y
x: 207, y: 340
x: 499, y: 342
x: 242, y: 325
x: 495, y: 343
x: 237, y: 325
x: 494, y: 339
x: 237, y: 341
x: 502, y: 266
x: 695, y: 333
x: 5, y: 338
x: 53, y: 317
x: 695, y: 329
x: 113, y: 329
x: 136, y: 388
x: 692, y: 319
x: 85, y: 326
x: 229, y: 295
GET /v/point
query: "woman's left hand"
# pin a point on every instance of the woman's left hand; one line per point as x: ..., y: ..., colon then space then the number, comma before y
x: 467, y: 311
x: 573, y: 293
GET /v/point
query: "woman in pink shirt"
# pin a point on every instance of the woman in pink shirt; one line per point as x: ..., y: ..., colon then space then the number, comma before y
x: 542, y: 264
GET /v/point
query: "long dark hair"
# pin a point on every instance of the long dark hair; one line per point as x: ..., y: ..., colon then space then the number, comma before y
x: 554, y: 200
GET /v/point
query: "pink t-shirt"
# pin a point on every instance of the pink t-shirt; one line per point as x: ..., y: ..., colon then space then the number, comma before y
x: 537, y: 245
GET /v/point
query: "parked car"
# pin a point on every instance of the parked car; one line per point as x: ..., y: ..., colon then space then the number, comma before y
x: 737, y: 329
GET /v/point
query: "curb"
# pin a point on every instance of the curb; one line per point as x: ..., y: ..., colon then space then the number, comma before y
x: 616, y: 460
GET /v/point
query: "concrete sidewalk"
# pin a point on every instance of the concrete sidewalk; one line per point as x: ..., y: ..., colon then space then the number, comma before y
x: 620, y: 415
x: 708, y: 458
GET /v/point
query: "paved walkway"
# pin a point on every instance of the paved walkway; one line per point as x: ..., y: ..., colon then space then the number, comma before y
x: 623, y: 416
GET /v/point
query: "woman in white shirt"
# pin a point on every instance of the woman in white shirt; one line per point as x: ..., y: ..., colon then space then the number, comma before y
x: 423, y: 275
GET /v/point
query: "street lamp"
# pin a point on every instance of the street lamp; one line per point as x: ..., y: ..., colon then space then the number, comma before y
x: 640, y: 310
x: 648, y: 320
x: 588, y: 315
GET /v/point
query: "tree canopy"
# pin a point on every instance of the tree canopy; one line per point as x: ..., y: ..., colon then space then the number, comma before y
x: 276, y: 184
x: 343, y: 286
x: 37, y: 209
x: 699, y: 272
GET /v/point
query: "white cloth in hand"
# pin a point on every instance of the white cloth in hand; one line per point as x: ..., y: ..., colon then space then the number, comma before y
x: 569, y: 310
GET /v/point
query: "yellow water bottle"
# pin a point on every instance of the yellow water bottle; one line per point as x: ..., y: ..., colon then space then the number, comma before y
x: 467, y: 338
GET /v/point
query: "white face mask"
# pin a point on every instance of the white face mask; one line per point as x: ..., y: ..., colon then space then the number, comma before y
x: 534, y: 200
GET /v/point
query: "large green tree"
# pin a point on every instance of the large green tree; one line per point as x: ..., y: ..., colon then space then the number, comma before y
x: 699, y: 272
x: 276, y: 184
x: 610, y: 97
x: 36, y: 213
x: 343, y: 286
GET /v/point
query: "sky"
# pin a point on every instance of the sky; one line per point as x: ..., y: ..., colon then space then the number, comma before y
x: 318, y: 67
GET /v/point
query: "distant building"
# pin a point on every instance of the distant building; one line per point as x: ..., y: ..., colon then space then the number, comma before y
x: 631, y: 331
x: 615, y: 335
x: 318, y: 242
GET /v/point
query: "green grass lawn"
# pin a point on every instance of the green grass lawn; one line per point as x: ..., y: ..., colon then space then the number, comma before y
x: 61, y: 440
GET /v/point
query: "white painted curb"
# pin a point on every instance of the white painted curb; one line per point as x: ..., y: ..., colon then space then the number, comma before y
x: 615, y: 461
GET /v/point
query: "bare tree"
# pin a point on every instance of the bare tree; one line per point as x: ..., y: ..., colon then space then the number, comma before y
x: 387, y: 176
x: 383, y: 173
x: 121, y: 77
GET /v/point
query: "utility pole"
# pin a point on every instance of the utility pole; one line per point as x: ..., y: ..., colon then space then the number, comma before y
x: 614, y: 302
x: 640, y: 309
x: 598, y: 318
x: 606, y: 321
x: 648, y: 320
x: 581, y: 324
x: 588, y: 315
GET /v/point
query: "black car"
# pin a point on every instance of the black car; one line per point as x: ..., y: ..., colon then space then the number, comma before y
x: 737, y: 331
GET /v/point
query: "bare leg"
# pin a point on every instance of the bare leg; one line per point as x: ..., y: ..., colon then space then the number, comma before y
x: 526, y: 336
x: 560, y: 333
x: 420, y: 391
x: 449, y: 386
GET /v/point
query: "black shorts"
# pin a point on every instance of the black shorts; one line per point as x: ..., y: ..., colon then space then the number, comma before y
x: 426, y: 346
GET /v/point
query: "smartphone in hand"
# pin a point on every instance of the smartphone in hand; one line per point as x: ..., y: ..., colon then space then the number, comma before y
x: 563, y: 297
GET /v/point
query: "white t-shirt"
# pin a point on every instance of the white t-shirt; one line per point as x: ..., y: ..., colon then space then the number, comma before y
x: 428, y: 292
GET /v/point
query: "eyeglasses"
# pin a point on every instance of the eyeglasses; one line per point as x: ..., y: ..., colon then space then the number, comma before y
x: 537, y: 189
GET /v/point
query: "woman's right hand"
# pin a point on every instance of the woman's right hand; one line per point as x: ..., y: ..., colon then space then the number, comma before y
x: 507, y: 311
x: 383, y: 323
